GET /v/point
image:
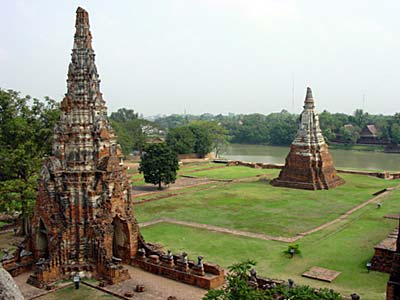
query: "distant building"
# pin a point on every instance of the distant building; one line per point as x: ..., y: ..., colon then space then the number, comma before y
x: 369, y: 135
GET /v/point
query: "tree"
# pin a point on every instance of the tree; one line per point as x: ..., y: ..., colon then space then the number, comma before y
x: 218, y: 135
x: 26, y: 132
x: 350, y: 135
x: 238, y: 287
x: 159, y: 164
x: 181, y: 140
x: 199, y: 137
x: 202, y: 137
x: 129, y: 129
x: 395, y: 133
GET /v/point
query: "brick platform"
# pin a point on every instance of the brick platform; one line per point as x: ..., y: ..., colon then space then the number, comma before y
x: 321, y: 274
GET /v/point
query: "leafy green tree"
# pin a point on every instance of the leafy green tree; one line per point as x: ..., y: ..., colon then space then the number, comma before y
x: 238, y: 288
x: 360, y: 118
x: 181, y: 140
x: 26, y: 132
x: 199, y: 137
x: 209, y: 136
x: 159, y: 164
x: 350, y: 135
x: 202, y: 137
x: 395, y: 133
x: 129, y: 129
x: 218, y: 135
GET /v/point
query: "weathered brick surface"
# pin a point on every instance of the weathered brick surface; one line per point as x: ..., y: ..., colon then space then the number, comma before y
x: 83, y: 219
x: 309, y: 164
x: 393, y: 286
x: 384, y: 253
x: 206, y: 276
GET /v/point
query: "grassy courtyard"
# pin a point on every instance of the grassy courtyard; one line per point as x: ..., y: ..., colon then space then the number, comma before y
x: 255, y: 206
x: 84, y: 293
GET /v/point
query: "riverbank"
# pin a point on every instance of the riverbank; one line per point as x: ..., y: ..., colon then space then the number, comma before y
x: 370, y: 148
x: 343, y: 158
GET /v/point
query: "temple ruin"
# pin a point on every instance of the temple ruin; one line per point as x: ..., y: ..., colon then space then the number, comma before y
x: 393, y: 286
x: 83, y: 221
x: 308, y: 164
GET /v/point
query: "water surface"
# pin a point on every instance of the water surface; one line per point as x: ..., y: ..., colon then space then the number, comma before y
x: 348, y: 159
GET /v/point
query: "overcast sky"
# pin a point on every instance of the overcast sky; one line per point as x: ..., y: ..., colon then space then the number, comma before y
x: 217, y: 56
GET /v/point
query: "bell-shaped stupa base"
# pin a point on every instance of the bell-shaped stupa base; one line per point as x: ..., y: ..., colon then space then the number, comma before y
x: 308, y: 165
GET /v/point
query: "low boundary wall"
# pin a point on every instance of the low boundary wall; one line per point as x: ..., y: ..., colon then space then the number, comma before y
x: 384, y: 175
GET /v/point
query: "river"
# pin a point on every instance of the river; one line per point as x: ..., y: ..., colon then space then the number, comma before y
x: 348, y: 159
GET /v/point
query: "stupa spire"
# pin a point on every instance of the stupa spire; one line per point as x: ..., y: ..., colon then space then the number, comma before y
x: 83, y: 37
x: 309, y: 164
x: 309, y: 101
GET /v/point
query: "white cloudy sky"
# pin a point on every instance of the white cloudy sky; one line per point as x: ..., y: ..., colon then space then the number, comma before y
x: 218, y: 56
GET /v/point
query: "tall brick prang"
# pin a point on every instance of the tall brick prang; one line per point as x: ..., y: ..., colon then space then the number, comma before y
x: 83, y: 219
x: 393, y: 286
x: 309, y: 165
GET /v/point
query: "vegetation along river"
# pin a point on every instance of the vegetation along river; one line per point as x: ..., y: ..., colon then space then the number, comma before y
x: 348, y: 159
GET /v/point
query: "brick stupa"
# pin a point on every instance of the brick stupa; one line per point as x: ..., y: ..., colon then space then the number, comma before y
x: 393, y: 286
x: 308, y: 164
x: 83, y: 219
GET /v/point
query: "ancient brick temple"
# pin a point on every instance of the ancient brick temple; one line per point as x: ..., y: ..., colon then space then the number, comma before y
x: 393, y: 286
x: 83, y: 219
x: 308, y: 164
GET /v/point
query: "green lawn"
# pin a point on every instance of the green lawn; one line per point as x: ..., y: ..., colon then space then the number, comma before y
x: 189, y: 169
x: 234, y: 172
x: 192, y: 167
x: 84, y: 293
x: 345, y: 247
x: 258, y: 207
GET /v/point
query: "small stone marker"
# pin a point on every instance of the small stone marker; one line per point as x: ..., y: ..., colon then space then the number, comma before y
x: 321, y: 274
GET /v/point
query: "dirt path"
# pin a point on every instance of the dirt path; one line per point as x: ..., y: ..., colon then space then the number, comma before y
x: 156, y: 287
x: 221, y: 230
x: 181, y: 183
x: 348, y: 213
x: 265, y: 236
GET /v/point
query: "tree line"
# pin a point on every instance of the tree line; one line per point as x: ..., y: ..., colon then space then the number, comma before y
x: 280, y: 128
x: 26, y: 134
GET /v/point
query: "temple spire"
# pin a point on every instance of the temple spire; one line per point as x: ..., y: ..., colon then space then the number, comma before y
x: 83, y: 37
x: 309, y: 101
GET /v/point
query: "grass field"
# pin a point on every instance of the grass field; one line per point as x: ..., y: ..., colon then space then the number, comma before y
x: 345, y: 247
x: 233, y: 172
x: 84, y: 293
x: 258, y: 207
x: 187, y: 169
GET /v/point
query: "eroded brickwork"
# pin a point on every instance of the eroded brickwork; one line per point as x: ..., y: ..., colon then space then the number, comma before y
x: 384, y: 252
x: 83, y: 219
x: 393, y: 286
x: 309, y: 165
